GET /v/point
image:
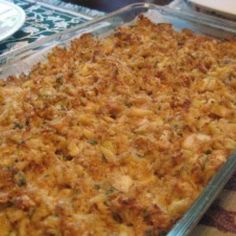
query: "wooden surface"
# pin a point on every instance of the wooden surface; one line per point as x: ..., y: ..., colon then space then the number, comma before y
x: 111, y: 5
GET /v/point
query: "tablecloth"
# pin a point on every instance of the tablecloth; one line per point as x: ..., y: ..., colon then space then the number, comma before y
x: 48, y: 17
x: 220, y: 219
x: 44, y: 18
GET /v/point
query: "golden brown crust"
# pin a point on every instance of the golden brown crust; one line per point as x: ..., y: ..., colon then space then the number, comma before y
x: 115, y: 136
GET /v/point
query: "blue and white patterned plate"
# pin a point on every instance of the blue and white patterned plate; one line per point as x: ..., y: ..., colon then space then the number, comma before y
x: 12, y: 17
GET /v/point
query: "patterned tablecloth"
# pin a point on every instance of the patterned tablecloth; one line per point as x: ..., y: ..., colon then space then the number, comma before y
x: 49, y: 17
x: 44, y: 18
x: 220, y: 219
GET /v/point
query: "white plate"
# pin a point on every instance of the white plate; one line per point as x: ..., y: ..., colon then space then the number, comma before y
x: 12, y: 18
x: 224, y: 7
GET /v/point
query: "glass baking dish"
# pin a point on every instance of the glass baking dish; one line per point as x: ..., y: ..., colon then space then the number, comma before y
x: 22, y: 61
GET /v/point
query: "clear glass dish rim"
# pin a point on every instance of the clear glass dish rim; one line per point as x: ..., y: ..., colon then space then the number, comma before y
x: 185, y: 224
x: 201, y: 18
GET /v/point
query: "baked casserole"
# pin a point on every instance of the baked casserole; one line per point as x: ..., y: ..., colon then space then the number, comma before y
x: 115, y: 136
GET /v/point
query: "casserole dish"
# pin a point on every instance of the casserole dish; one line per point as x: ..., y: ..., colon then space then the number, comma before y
x: 23, y: 61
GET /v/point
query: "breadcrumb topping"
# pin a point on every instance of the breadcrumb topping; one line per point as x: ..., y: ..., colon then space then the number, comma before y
x: 115, y: 136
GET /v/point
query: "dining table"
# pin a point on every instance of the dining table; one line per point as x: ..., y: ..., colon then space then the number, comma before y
x: 45, y: 18
x: 108, y: 6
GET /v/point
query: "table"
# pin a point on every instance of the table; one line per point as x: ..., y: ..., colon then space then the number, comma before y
x: 108, y: 6
x: 221, y: 217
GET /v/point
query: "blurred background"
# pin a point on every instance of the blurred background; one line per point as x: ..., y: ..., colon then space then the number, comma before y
x: 111, y: 5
